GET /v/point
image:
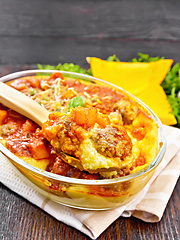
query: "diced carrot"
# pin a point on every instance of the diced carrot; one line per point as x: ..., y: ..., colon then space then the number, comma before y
x: 28, y: 126
x: 3, y: 116
x: 91, y: 116
x: 54, y: 116
x: 84, y: 116
x: 103, y: 119
x: 50, y: 132
x: 56, y: 75
x: 38, y: 150
x: 78, y: 114
x: 34, y: 82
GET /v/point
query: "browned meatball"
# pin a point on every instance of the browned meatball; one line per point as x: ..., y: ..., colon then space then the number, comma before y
x: 127, y: 109
x: 112, y: 141
x: 63, y: 133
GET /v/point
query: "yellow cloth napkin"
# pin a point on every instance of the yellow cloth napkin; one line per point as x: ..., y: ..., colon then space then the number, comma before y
x: 149, y: 205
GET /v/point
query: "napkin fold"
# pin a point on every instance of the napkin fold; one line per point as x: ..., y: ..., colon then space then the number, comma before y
x: 149, y: 205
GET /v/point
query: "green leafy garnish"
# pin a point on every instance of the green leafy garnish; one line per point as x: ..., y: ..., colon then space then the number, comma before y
x: 171, y: 86
x: 76, y: 102
x: 172, y: 80
x: 145, y: 58
x: 64, y: 67
x: 32, y: 92
x: 174, y: 100
x: 142, y: 58
x: 113, y: 58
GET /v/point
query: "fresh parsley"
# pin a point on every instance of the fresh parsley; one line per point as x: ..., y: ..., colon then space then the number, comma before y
x: 64, y: 67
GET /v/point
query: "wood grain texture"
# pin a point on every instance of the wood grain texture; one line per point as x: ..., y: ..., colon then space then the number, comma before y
x: 56, y: 50
x: 50, y: 32
x: 21, y: 220
x: 140, y: 19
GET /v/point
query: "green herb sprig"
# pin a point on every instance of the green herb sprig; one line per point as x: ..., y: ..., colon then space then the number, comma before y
x: 145, y: 58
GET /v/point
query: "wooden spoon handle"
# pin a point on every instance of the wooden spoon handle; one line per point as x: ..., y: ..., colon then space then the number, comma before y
x: 22, y: 104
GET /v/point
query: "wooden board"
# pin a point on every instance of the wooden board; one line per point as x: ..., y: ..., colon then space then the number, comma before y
x: 50, y: 32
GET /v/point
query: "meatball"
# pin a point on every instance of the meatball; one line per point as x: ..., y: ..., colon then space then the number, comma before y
x: 112, y: 141
x: 127, y: 109
x: 63, y: 134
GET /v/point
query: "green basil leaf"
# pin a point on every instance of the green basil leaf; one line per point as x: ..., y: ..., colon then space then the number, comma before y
x: 78, y: 101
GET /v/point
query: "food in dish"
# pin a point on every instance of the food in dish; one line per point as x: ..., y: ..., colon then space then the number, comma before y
x: 94, y: 131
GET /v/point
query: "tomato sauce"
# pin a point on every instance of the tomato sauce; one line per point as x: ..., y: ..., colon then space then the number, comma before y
x: 107, y: 97
x: 24, y: 138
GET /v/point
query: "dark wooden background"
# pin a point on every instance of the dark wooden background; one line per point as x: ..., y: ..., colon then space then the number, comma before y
x: 54, y: 31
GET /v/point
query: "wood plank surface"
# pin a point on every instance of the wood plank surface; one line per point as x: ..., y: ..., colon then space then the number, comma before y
x: 54, y: 51
x: 55, y: 31
x: 140, y: 19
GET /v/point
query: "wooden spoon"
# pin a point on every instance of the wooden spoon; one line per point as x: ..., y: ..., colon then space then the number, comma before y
x: 22, y: 104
